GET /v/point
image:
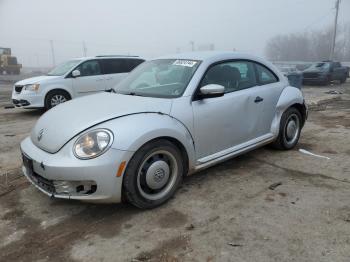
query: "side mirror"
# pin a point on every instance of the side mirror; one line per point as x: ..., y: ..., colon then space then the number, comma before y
x: 76, y: 73
x: 211, y: 90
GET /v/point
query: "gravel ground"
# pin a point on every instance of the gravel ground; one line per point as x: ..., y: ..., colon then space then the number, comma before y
x: 225, y: 213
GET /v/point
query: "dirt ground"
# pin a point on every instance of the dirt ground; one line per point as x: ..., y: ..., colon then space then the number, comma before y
x: 225, y: 213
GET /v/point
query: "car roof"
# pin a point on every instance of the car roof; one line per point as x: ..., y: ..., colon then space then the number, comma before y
x: 210, y: 55
x: 108, y: 57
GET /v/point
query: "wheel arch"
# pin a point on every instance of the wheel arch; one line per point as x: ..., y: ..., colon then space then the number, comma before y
x: 303, y: 111
x: 176, y: 143
x: 290, y: 97
x: 55, y: 89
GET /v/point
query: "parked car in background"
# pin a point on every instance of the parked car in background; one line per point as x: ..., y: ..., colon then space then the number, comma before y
x: 169, y: 117
x: 71, y: 79
x: 325, y: 72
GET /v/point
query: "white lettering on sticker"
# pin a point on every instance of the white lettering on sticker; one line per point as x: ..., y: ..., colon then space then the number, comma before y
x: 188, y: 63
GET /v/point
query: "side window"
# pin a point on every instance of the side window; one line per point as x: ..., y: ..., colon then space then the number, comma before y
x: 114, y: 66
x: 265, y: 75
x: 132, y: 63
x: 90, y: 68
x: 233, y: 76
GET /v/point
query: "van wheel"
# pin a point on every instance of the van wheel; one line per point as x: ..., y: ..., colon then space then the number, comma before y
x: 153, y: 174
x: 56, y: 97
x: 290, y: 127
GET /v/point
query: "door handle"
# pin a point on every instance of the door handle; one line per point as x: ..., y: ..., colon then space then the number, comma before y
x: 258, y: 99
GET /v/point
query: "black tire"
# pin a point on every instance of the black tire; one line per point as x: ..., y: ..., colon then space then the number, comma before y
x: 343, y: 80
x: 327, y: 81
x: 284, y: 140
x: 55, y: 94
x: 144, y: 169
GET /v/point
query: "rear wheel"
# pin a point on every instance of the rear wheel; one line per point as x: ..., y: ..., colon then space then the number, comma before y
x: 56, y: 97
x: 290, y: 127
x: 343, y: 80
x: 153, y: 174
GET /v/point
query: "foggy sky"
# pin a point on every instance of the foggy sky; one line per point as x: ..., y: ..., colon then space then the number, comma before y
x: 153, y: 27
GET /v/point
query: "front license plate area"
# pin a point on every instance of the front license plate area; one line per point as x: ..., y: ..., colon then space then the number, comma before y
x: 28, y: 164
x: 42, y: 182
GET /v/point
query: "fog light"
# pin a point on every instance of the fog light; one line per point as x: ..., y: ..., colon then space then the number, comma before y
x: 75, y: 187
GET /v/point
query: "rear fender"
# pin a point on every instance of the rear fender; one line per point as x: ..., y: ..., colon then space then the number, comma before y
x: 289, y: 96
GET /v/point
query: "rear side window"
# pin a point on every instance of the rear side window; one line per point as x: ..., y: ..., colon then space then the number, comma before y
x: 134, y: 63
x: 116, y: 66
x: 265, y: 75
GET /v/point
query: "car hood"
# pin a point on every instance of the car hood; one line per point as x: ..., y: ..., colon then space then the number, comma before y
x: 313, y: 71
x: 61, y: 123
x: 36, y: 80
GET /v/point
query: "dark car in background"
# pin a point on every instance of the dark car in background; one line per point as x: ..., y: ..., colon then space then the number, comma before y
x: 325, y: 72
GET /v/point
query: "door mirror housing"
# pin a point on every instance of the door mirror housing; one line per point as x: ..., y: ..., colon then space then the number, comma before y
x: 211, y: 90
x: 75, y: 73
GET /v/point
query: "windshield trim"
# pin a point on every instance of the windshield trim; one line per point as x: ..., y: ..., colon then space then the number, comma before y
x: 164, y: 96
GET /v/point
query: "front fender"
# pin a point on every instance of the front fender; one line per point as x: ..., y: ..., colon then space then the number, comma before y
x: 289, y: 96
x: 133, y: 131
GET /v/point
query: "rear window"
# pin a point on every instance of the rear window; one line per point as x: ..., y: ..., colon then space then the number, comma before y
x: 115, y: 66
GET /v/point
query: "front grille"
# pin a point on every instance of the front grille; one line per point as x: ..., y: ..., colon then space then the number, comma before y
x: 310, y: 75
x: 44, y: 183
x: 18, y: 88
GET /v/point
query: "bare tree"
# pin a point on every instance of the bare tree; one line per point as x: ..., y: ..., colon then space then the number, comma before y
x: 312, y: 46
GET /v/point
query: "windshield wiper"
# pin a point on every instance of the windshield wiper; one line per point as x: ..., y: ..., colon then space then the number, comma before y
x: 131, y: 94
x: 110, y: 90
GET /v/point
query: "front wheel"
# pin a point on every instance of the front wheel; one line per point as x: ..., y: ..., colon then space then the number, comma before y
x: 290, y: 128
x: 153, y: 174
x: 55, y: 97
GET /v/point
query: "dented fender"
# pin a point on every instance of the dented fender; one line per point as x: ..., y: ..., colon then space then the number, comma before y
x: 289, y: 96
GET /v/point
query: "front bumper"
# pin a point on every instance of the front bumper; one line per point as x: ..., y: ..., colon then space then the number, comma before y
x: 27, y: 99
x: 49, y: 170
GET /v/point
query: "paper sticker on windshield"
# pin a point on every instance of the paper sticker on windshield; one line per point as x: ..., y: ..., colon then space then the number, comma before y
x: 188, y: 63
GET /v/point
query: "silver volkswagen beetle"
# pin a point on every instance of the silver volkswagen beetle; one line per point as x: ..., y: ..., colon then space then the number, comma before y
x: 170, y: 117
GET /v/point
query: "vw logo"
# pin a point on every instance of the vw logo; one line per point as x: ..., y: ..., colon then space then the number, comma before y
x: 159, y: 175
x: 40, y: 134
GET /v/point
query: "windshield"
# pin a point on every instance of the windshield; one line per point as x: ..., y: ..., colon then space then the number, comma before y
x: 166, y: 78
x: 319, y: 66
x: 63, y: 68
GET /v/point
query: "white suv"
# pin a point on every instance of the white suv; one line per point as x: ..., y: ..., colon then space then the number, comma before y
x: 73, y: 79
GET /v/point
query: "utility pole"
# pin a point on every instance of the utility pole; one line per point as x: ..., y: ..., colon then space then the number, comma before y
x: 84, y: 49
x: 52, y: 53
x: 331, y: 56
x: 192, y: 45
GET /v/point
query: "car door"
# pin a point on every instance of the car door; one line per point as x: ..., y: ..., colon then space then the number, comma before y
x: 267, y: 94
x: 337, y: 71
x: 226, y: 122
x: 90, y: 80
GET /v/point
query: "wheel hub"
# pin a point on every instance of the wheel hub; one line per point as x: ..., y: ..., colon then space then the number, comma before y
x: 57, y: 99
x: 157, y: 174
x: 291, y: 129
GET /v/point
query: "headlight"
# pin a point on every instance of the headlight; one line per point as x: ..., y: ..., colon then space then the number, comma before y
x: 34, y: 87
x: 93, y: 144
